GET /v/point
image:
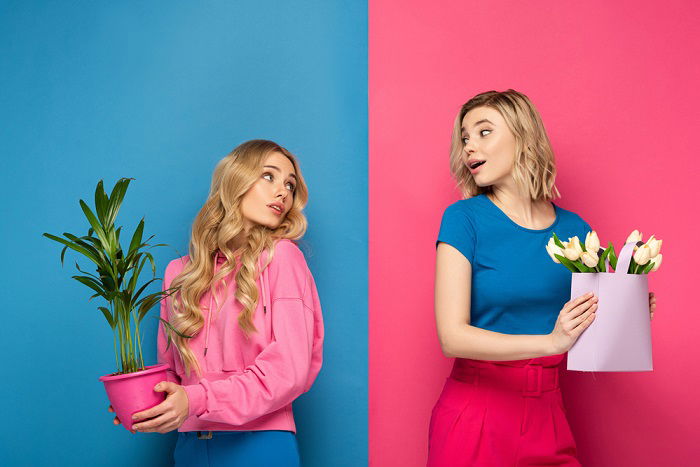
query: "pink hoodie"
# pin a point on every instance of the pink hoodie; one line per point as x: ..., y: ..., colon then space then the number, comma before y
x: 249, y: 383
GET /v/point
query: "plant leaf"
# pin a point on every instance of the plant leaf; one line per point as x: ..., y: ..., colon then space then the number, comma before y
x: 601, y: 261
x: 147, y: 303
x: 648, y: 267
x: 572, y: 266
x: 557, y: 242
x: 136, y: 238
x: 116, y: 198
x: 63, y: 254
x: 612, y: 257
x: 169, y: 327
x: 108, y: 315
x: 94, y: 222
x: 100, y: 201
x: 75, y: 247
x: 138, y: 293
x: 90, y: 282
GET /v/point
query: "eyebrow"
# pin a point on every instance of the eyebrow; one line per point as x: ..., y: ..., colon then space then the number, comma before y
x: 280, y: 171
x: 483, y: 120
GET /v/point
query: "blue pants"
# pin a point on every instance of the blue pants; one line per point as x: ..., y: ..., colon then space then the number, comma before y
x: 268, y: 448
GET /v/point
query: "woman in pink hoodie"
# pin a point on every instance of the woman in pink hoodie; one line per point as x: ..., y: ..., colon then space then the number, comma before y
x: 247, y: 299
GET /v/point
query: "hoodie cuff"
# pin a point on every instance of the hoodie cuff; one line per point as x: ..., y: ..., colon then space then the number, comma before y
x: 196, y: 397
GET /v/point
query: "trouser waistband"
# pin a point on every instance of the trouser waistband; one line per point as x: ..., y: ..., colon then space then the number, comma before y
x: 531, y: 380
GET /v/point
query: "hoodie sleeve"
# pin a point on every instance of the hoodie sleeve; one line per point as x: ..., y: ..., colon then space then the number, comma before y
x: 287, y: 367
x: 167, y: 356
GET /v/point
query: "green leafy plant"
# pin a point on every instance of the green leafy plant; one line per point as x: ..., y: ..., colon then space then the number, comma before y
x: 117, y: 274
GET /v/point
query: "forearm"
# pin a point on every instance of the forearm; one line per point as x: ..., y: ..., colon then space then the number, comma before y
x: 480, y: 344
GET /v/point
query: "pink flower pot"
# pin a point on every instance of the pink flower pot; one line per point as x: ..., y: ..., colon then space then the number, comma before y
x: 133, y: 392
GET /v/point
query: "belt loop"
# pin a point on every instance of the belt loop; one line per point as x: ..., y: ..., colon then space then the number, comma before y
x: 537, y: 368
x: 204, y: 435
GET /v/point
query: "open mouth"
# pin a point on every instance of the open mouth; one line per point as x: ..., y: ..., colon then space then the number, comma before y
x: 277, y: 209
x: 476, y: 164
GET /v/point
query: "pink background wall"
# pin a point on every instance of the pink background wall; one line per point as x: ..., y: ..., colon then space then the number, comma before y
x: 617, y: 86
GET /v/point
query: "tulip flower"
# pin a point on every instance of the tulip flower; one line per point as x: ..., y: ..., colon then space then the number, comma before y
x: 590, y: 258
x: 553, y: 249
x: 592, y: 242
x: 657, y: 262
x: 634, y: 237
x: 642, y: 255
x: 572, y: 249
x: 654, y: 245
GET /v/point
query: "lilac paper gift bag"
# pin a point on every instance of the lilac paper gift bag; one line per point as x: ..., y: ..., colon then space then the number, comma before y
x: 619, y: 339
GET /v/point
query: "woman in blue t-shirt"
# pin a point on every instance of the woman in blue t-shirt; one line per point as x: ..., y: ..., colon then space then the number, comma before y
x: 499, y: 296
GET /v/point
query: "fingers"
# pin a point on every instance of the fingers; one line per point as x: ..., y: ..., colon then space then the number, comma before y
x: 571, y: 304
x: 581, y: 322
x: 153, y: 411
x: 166, y: 386
x: 581, y: 307
x: 155, y: 424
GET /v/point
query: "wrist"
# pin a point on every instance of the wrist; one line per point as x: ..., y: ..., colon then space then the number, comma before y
x: 548, y: 346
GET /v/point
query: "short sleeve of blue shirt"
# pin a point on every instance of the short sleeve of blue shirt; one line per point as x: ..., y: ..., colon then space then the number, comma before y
x: 516, y: 287
x: 457, y: 229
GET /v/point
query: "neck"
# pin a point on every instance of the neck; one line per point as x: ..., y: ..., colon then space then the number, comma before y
x: 515, y: 203
x: 239, y: 240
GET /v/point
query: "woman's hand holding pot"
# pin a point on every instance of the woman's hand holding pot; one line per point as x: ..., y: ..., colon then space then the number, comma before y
x: 573, y: 319
x: 167, y: 416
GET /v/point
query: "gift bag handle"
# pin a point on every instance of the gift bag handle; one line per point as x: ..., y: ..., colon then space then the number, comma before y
x: 623, y: 261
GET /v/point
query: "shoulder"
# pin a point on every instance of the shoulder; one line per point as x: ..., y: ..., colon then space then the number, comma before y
x: 286, y: 256
x: 460, y: 214
x: 463, y: 210
x: 287, y: 249
x: 175, y: 267
x: 288, y: 270
x: 572, y: 217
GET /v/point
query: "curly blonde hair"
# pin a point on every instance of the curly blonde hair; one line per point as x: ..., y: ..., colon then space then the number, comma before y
x: 534, y: 169
x: 217, y: 223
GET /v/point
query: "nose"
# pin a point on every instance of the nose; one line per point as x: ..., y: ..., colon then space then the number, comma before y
x: 282, y: 193
x: 469, y: 147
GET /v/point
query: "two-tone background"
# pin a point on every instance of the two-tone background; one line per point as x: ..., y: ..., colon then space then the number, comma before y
x: 365, y: 94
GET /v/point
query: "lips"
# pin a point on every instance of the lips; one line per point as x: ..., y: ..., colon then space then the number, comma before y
x: 475, y: 166
x: 277, y: 208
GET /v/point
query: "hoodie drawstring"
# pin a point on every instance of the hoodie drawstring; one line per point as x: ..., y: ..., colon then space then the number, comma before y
x: 211, y: 299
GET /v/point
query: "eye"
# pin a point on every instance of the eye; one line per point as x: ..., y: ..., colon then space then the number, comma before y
x: 465, y: 141
x: 268, y: 176
x: 482, y: 132
x: 290, y: 186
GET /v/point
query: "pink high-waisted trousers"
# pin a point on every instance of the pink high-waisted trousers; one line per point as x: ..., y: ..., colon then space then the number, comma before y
x: 501, y: 414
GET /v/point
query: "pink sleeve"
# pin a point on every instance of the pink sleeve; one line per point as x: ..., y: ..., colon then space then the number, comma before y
x: 169, y: 355
x: 287, y: 367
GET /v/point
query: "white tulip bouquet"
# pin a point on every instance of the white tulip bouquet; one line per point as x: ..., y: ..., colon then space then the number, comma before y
x: 588, y: 256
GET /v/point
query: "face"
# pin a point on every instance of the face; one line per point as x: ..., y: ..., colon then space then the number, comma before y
x: 486, y: 137
x: 269, y: 200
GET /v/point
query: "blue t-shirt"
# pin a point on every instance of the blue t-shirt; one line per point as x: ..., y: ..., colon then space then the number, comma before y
x: 516, y: 287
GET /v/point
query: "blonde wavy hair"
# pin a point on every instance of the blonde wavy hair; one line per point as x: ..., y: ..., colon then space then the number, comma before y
x: 217, y: 223
x: 534, y: 169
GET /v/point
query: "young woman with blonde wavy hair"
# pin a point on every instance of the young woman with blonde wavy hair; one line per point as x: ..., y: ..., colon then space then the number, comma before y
x: 502, y: 306
x: 249, y: 302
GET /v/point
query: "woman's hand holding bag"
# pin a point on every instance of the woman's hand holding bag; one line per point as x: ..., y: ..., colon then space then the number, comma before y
x: 573, y: 319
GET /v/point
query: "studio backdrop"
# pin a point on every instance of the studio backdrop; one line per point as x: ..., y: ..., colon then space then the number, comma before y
x: 616, y: 85
x: 161, y: 91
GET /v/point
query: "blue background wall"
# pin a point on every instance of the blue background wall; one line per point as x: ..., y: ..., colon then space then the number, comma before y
x: 160, y: 92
